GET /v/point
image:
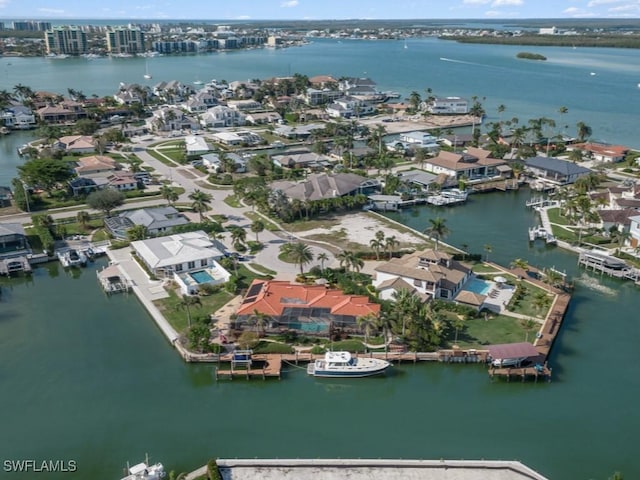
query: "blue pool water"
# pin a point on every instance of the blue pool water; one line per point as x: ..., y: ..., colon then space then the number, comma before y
x: 201, y: 276
x: 476, y: 285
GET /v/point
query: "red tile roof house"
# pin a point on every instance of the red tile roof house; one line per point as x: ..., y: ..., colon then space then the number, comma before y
x: 309, y: 309
x: 601, y: 151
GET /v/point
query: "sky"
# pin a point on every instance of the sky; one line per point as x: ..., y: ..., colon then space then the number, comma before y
x: 316, y: 9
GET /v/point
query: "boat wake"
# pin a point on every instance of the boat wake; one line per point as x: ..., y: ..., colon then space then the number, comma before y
x: 464, y: 62
x: 593, y: 284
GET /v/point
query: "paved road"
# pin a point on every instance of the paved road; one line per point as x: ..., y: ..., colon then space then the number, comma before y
x: 189, y: 178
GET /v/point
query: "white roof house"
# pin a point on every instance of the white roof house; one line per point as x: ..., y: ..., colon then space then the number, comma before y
x: 183, y: 252
x: 634, y: 231
x: 196, y: 145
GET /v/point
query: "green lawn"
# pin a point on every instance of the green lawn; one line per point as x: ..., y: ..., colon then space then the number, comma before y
x: 555, y: 216
x: 177, y: 316
x: 232, y: 201
x: 526, y: 305
x: 479, y: 332
x: 268, y: 224
x: 162, y: 158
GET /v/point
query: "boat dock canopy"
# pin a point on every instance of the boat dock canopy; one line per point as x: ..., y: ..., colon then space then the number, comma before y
x: 512, y: 350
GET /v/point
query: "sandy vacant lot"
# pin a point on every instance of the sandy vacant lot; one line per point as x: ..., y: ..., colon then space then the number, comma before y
x: 361, y: 228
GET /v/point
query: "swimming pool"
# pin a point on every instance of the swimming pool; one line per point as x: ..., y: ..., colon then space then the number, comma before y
x: 201, y: 276
x: 476, y: 285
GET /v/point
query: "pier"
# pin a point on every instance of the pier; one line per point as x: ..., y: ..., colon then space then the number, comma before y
x: 14, y: 265
x: 112, y: 280
x: 608, y: 265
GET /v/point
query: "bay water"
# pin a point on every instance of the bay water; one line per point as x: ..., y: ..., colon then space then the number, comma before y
x: 89, y: 378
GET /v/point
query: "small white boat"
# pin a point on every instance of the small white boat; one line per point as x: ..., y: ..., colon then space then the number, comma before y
x: 342, y: 364
x: 144, y: 471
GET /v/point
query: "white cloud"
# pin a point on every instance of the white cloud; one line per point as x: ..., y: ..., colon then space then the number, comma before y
x: 494, y: 13
x: 476, y: 2
x: 289, y: 4
x: 596, y: 3
x: 503, y: 3
x: 624, y: 8
x: 51, y: 11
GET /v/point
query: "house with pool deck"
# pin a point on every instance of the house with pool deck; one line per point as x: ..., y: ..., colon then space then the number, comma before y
x: 190, y: 259
x: 430, y: 273
x: 473, y: 164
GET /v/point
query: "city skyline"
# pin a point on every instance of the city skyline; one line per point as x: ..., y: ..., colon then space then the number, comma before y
x: 325, y: 10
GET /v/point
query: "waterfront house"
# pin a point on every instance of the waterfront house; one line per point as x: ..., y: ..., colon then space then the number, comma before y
x: 157, y: 220
x: 167, y: 119
x: 13, y: 240
x: 55, y: 114
x: 18, y: 117
x: 301, y: 159
x: 448, y: 105
x: 601, y: 152
x: 178, y: 253
x: 75, y: 144
x: 304, y: 308
x: 634, y: 231
x: 318, y: 186
x: 417, y: 179
x: 619, y: 220
x: 429, y: 272
x: 474, y: 164
x: 95, y: 164
x: 315, y: 96
x: 554, y: 170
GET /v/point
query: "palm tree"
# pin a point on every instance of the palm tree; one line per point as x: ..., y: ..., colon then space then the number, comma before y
x: 367, y: 324
x: 520, y: 263
x: 298, y: 253
x: 487, y: 249
x: 376, y: 245
x: 552, y: 278
x: 350, y: 261
x: 260, y: 320
x: 201, y: 202
x: 256, y: 227
x: 529, y: 325
x: 465, y: 250
x: 137, y: 232
x: 437, y: 229
x: 83, y: 219
x: 540, y: 300
x: 458, y: 324
x: 322, y: 257
x: 390, y: 244
x: 584, y: 131
x: 238, y: 236
x: 406, y: 306
x: 186, y: 302
x: 169, y: 194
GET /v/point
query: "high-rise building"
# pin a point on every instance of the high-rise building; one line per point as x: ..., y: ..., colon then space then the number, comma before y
x: 125, y: 40
x: 32, y: 26
x: 66, y: 40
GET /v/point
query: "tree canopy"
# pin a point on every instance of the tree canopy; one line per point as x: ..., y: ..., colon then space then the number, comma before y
x: 105, y: 200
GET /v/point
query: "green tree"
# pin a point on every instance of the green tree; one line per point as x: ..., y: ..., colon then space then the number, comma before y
x: 437, y: 229
x: 584, y: 131
x: 83, y: 218
x: 298, y: 253
x: 105, y: 200
x: 257, y: 226
x: 322, y: 257
x: 169, y: 194
x: 238, y: 236
x: 186, y: 303
x: 376, y: 246
x: 458, y: 324
x: 201, y: 202
x: 390, y: 245
x: 487, y: 250
x: 350, y: 261
x: 137, y: 232
x: 528, y: 325
x: 199, y: 337
x: 367, y: 323
x: 45, y: 173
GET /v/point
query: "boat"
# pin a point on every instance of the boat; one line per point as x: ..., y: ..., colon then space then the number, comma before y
x: 144, y: 471
x: 456, y: 194
x: 72, y: 258
x: 146, y: 75
x: 342, y: 364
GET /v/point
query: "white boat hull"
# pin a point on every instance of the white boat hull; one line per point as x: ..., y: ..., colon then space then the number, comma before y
x: 359, y: 367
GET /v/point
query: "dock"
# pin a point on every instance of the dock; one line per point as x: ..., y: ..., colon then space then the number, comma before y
x: 524, y: 373
x: 14, y: 265
x: 608, y: 265
x: 112, y: 280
